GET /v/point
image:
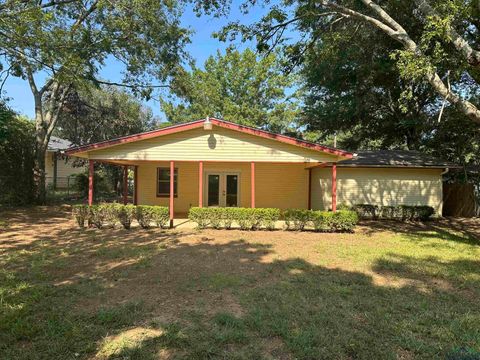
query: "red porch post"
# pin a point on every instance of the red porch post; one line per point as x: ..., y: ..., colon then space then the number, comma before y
x: 135, y: 185
x: 125, y: 185
x: 334, y: 187
x: 310, y: 189
x: 200, y: 184
x: 252, y: 180
x: 90, y: 182
x: 172, y: 193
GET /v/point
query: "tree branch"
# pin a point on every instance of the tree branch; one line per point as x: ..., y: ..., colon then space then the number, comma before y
x: 130, y: 86
x: 471, y: 55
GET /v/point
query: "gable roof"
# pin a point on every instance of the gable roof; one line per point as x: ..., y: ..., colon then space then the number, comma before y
x: 396, y: 158
x: 217, y: 122
x: 56, y: 144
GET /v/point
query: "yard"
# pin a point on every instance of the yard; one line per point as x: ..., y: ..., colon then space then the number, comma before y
x: 388, y: 291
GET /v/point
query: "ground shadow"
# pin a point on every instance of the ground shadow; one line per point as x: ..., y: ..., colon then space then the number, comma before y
x: 152, y: 294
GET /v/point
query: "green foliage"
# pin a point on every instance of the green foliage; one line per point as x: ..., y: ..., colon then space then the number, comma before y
x: 110, y: 213
x: 265, y: 218
x: 96, y: 216
x: 200, y: 216
x: 400, y: 212
x: 101, y: 184
x: 296, y: 219
x: 159, y: 215
x: 236, y: 86
x: 17, y: 146
x: 80, y: 214
x: 126, y: 215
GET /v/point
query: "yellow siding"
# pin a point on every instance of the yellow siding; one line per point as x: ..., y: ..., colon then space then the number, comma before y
x: 390, y: 186
x: 277, y: 185
x: 218, y: 144
x: 281, y: 185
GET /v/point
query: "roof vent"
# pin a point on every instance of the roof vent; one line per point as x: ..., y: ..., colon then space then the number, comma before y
x: 207, y: 125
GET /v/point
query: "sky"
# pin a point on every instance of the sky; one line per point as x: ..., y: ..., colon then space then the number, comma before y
x: 201, y: 47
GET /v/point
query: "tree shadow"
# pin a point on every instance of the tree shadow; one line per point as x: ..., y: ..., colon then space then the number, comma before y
x: 444, y: 229
x: 153, y: 294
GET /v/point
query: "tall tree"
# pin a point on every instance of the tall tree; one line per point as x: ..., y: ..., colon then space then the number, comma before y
x: 448, y: 37
x: 237, y: 86
x: 94, y: 114
x: 70, y: 41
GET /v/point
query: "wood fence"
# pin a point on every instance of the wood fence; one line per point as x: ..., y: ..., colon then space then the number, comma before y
x: 460, y: 200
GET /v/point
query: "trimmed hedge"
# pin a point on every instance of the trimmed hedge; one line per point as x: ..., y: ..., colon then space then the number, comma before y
x: 110, y: 215
x: 265, y: 218
x: 400, y: 212
x: 246, y: 218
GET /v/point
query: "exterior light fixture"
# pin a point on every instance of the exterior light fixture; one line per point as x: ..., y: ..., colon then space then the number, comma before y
x: 207, y: 125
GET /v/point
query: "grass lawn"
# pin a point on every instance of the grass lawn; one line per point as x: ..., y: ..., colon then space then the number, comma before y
x: 389, y: 291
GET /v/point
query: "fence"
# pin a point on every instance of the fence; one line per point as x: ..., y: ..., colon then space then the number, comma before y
x: 460, y: 200
x: 66, y: 190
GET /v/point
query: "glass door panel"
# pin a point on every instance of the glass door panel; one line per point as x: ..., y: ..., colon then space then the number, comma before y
x: 231, y: 190
x: 213, y: 182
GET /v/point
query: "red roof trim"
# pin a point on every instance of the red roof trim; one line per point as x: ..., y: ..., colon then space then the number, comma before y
x: 199, y: 123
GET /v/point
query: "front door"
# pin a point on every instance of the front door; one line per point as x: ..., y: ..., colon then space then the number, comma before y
x: 222, y: 189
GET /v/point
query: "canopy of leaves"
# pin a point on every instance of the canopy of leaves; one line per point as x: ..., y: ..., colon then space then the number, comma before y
x: 72, y: 40
x: 236, y: 86
x: 16, y: 158
x: 96, y: 114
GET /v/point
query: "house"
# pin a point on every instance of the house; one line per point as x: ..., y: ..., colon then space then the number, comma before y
x: 213, y: 162
x: 59, y: 167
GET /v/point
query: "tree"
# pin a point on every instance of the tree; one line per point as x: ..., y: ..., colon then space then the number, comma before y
x: 16, y: 158
x: 448, y: 36
x: 94, y: 114
x: 354, y: 92
x: 236, y: 86
x: 71, y: 40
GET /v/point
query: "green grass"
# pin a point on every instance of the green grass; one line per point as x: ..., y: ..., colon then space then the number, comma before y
x: 413, y: 294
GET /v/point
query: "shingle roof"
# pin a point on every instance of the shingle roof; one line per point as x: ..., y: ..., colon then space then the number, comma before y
x: 395, y: 158
x: 56, y: 144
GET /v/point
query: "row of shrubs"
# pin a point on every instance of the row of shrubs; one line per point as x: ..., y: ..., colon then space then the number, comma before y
x: 400, y: 212
x: 109, y: 215
x: 265, y: 218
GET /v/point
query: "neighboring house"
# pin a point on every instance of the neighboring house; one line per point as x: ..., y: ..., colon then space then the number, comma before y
x: 219, y: 163
x: 59, y: 167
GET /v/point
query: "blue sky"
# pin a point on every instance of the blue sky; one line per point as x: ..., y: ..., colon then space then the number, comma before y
x: 201, y: 47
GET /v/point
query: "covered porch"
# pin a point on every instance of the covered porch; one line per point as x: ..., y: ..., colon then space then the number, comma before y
x: 181, y: 184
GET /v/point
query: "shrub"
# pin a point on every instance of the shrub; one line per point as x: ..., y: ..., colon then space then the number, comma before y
x: 200, y: 216
x: 322, y: 220
x: 228, y: 215
x: 110, y: 213
x: 215, y: 215
x: 399, y: 212
x: 96, y: 215
x: 296, y: 219
x: 344, y: 220
x: 245, y: 218
x: 80, y: 214
x: 126, y: 214
x: 144, y: 215
x: 423, y: 213
x: 268, y: 217
x: 161, y: 216
x: 366, y: 211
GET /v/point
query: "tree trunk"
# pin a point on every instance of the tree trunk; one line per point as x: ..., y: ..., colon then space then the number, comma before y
x: 41, y: 145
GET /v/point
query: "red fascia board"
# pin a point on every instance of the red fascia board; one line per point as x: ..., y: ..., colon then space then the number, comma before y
x: 136, y: 137
x: 279, y: 137
x: 199, y: 123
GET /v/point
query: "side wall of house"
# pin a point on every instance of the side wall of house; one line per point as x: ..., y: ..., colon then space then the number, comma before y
x: 378, y: 186
x: 64, y: 169
x: 276, y: 185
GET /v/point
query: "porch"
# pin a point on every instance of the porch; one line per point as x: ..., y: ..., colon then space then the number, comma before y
x: 181, y: 185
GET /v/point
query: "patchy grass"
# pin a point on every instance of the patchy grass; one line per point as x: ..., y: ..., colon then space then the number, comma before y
x: 388, y: 291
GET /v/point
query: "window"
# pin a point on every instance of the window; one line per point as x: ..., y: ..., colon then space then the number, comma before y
x: 163, y: 182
